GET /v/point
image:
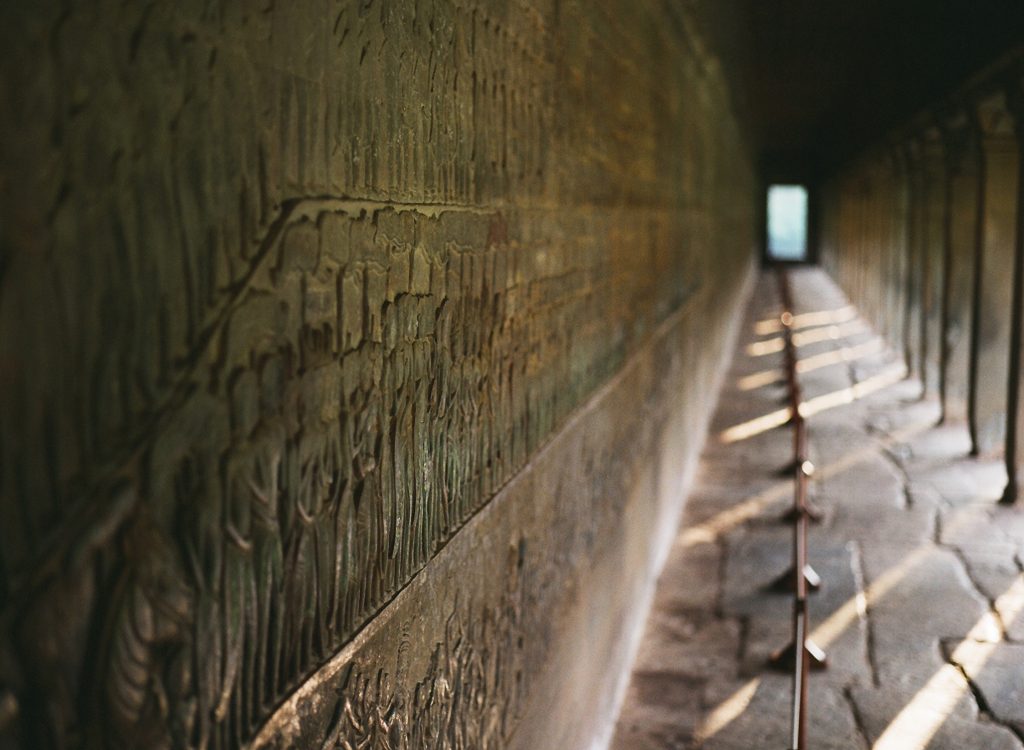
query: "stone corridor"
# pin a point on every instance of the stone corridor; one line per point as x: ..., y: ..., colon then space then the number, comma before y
x: 359, y: 364
x: 919, y: 609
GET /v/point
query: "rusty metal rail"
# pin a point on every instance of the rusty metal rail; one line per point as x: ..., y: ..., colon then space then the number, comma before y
x: 801, y: 654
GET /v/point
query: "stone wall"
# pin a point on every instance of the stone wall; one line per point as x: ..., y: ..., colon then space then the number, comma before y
x: 352, y: 360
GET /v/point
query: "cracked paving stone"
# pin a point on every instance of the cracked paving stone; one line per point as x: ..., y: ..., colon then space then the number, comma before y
x: 863, y: 480
x: 994, y: 529
x: 1000, y: 681
x: 959, y: 483
x: 846, y: 648
x: 958, y: 727
x: 930, y: 579
x: 765, y: 722
x: 854, y: 519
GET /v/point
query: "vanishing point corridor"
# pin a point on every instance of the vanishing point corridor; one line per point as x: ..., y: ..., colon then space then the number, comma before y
x: 511, y: 374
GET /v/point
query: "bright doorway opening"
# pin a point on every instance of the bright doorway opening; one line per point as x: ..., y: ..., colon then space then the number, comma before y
x: 787, y: 223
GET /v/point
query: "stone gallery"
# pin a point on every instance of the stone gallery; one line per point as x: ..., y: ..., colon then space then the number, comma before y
x: 530, y: 374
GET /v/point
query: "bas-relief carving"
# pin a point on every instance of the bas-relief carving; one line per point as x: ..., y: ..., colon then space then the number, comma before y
x: 292, y: 503
x: 468, y: 698
x: 498, y: 618
x: 225, y: 446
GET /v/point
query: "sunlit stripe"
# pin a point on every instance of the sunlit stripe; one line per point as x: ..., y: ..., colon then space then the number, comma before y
x: 755, y: 426
x: 815, y: 335
x: 814, y: 405
x: 807, y: 320
x: 914, y: 726
x: 710, y: 530
x: 846, y: 354
x: 818, y: 404
x: 777, y: 344
x: 850, y: 612
x: 760, y: 379
x: 853, y: 609
x: 809, y: 364
x: 851, y: 459
x: 727, y: 711
x: 769, y: 346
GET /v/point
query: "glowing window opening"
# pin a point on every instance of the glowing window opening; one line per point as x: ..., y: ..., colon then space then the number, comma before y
x: 787, y: 223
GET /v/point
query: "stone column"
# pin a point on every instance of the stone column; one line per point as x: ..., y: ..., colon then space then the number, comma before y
x: 913, y: 320
x: 978, y: 240
x: 959, y: 252
x: 995, y: 288
x: 900, y: 249
x: 931, y: 257
x: 892, y: 237
x: 1014, y: 417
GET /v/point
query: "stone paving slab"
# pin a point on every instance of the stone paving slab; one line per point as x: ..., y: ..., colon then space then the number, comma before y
x: 917, y: 561
x: 765, y: 722
x: 1000, y: 682
x: 956, y: 729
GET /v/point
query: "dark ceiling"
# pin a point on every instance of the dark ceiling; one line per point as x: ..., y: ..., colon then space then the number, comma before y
x: 818, y: 80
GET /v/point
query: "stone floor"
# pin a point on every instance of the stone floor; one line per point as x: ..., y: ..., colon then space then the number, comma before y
x: 920, y: 607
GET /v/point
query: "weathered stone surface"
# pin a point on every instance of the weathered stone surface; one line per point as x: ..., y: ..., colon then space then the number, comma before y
x: 959, y: 728
x: 766, y: 724
x: 1000, y: 681
x: 288, y: 295
x: 501, y: 599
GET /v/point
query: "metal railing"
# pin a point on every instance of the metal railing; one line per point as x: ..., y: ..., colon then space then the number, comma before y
x: 801, y: 654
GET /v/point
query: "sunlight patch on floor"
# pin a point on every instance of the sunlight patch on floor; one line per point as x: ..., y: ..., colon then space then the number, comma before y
x: 807, y: 320
x: 813, y: 336
x: 914, y: 726
x: 727, y: 711
x: 843, y: 396
x: 816, y: 405
x: 756, y: 426
x: 815, y: 362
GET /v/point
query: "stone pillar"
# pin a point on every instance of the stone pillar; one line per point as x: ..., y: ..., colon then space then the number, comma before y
x: 1014, y: 416
x: 900, y: 249
x: 978, y: 240
x: 932, y: 257
x: 892, y: 238
x: 960, y: 219
x: 871, y: 230
x: 999, y: 171
x: 913, y: 322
